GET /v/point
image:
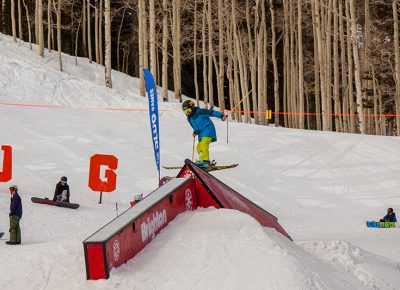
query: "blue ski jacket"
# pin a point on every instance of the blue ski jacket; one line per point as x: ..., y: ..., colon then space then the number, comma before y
x: 16, y: 206
x: 201, y: 123
x: 390, y: 218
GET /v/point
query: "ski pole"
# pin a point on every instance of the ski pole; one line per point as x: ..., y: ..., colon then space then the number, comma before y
x: 227, y: 130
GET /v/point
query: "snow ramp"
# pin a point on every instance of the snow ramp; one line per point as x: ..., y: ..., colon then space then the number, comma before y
x: 126, y: 235
x: 213, y: 192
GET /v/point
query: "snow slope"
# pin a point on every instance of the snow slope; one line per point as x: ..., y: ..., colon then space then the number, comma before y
x: 321, y: 185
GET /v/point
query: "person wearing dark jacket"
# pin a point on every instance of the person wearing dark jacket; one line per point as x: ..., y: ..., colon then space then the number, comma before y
x: 390, y: 217
x: 15, y: 216
x: 61, y: 192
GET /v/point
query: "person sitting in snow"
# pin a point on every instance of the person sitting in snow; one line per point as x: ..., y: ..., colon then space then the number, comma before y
x: 390, y: 217
x: 137, y: 199
x: 62, y: 190
x: 203, y: 127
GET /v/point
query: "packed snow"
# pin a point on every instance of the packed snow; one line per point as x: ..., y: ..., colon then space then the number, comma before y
x: 322, y: 186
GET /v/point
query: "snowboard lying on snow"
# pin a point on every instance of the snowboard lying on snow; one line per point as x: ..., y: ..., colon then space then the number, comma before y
x: 55, y: 203
x: 373, y: 224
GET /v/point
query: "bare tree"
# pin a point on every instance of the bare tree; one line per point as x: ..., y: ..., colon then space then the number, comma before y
x: 107, y: 23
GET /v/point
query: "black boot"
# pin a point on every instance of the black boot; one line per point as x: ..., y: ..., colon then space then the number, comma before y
x: 11, y: 243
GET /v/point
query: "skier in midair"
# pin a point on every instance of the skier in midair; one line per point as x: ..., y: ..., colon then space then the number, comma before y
x: 203, y: 127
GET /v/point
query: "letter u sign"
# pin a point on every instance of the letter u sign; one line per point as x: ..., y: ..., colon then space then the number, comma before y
x: 6, y: 174
x: 95, y: 182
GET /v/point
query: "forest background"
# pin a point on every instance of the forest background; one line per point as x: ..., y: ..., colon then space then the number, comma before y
x: 331, y: 65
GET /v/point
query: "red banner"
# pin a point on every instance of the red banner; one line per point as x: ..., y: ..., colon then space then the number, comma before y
x: 6, y: 174
x: 95, y: 182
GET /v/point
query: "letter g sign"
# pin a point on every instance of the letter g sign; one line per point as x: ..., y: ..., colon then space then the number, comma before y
x: 95, y: 182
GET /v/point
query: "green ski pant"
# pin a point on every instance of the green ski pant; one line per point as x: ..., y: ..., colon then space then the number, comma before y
x: 15, y: 230
x: 203, y: 149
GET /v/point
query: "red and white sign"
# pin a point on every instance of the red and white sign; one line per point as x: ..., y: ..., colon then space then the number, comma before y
x: 6, y: 173
x: 95, y: 181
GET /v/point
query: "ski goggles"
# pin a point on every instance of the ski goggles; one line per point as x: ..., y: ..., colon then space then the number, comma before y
x: 188, y: 111
x: 12, y: 188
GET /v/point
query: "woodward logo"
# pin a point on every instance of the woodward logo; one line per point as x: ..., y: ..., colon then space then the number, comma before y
x: 189, y: 199
x: 116, y: 250
x: 188, y: 173
x: 152, y: 225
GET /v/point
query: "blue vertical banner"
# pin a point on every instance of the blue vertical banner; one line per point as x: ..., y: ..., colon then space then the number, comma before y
x: 153, y: 113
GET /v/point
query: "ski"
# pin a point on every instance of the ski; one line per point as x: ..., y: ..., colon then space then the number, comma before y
x: 207, y: 168
x: 219, y: 167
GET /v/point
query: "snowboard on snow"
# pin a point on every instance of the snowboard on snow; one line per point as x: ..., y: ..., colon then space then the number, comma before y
x: 55, y: 203
x: 206, y: 168
x: 373, y: 224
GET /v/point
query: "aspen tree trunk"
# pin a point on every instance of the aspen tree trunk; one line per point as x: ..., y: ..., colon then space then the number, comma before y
x: 252, y: 60
x: 141, y: 47
x: 76, y: 41
x: 89, y: 32
x: 357, y: 68
x: 301, y: 69
x: 264, y: 101
x: 397, y: 64
x: 3, y: 16
x: 229, y: 70
x: 370, y: 128
x: 350, y: 71
x: 196, y: 83
x: 176, y: 48
x: 40, y: 29
x: 84, y: 27
x: 210, y: 55
x: 275, y: 64
x: 49, y: 23
x: 336, y: 98
x: 119, y: 37
x: 328, y: 33
x: 260, y: 66
x: 316, y: 72
x: 14, y: 29
x: 204, y: 47
x: 221, y: 72
x: 293, y: 88
x: 287, y: 74
x: 58, y: 9
x: 179, y: 50
x: 325, y: 121
x: 165, y: 52
x: 36, y: 22
x: 145, y: 35
x: 29, y: 25
x: 96, y: 31
x: 153, y: 59
x: 107, y: 23
x: 382, y: 119
x: 243, y: 78
x: 376, y: 105
x: 344, y: 91
x: 238, y: 105
x: 101, y: 32
x: 19, y: 20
